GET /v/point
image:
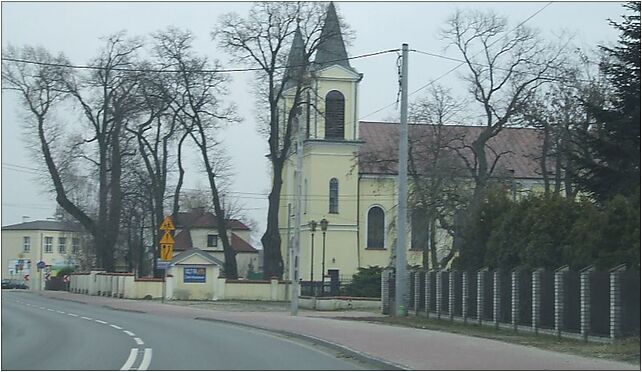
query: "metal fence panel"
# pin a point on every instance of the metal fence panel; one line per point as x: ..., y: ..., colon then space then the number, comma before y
x: 411, y: 284
x: 433, y: 291
x: 445, y: 293
x: 630, y: 297
x: 525, y: 284
x: 472, y: 295
x: 488, y: 291
x: 505, y: 297
x: 547, y: 300
x: 422, y: 291
x: 600, y: 303
x: 571, y: 316
x: 457, y: 284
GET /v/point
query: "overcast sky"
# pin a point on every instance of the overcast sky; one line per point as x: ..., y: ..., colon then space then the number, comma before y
x: 74, y: 28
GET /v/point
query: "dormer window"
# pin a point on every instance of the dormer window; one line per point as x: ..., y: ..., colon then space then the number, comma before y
x: 212, y: 240
x: 334, y: 115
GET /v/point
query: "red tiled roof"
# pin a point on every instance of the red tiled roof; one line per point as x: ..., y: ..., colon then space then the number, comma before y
x: 520, y: 147
x: 183, y: 240
x: 241, y: 245
x: 199, y: 218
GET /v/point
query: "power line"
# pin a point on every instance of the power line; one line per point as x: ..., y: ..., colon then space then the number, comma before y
x: 458, y: 66
x: 208, y: 71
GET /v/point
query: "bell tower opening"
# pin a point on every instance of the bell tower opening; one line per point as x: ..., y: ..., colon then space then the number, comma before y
x: 334, y: 115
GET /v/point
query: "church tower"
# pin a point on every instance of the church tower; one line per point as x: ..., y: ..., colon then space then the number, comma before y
x: 330, y: 171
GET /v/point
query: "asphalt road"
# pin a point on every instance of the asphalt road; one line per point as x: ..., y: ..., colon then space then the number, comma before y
x: 39, y: 333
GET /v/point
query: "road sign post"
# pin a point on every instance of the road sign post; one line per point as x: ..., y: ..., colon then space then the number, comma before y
x: 166, y: 250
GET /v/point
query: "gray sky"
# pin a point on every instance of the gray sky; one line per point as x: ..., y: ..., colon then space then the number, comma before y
x: 74, y: 28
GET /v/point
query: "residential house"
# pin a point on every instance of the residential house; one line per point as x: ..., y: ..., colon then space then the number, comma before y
x: 199, y: 229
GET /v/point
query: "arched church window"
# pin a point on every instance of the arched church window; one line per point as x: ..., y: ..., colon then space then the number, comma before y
x: 334, y: 196
x: 334, y: 115
x: 375, y: 227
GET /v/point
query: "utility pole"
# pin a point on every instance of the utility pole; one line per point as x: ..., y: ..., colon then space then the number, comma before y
x: 401, y: 285
x: 294, y: 261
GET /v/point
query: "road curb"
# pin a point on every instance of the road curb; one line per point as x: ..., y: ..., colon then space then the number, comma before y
x: 122, y: 309
x: 364, y: 357
x: 61, y: 299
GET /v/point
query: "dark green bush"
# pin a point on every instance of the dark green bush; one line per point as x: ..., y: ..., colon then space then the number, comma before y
x: 365, y: 283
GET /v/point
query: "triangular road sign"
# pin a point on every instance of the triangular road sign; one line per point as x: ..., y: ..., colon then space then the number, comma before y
x: 167, y: 239
x: 167, y: 224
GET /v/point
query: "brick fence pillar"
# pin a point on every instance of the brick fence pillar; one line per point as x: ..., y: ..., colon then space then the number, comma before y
x: 438, y: 293
x: 451, y: 294
x: 464, y: 296
x: 417, y: 285
x: 616, y: 304
x: 428, y: 296
x: 480, y: 294
x: 585, y: 301
x: 514, y: 278
x: 559, y: 299
x: 496, y: 298
x: 536, y: 287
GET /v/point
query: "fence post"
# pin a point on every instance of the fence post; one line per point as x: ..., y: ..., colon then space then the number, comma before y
x: 417, y: 285
x: 428, y: 297
x: 480, y: 294
x: 585, y: 301
x: 385, y: 301
x: 438, y: 293
x: 616, y: 304
x: 559, y: 299
x: 535, y: 300
x: 496, y: 298
x: 515, y: 298
x: 464, y: 296
x: 451, y: 294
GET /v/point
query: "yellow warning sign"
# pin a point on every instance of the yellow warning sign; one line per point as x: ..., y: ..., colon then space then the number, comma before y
x: 167, y: 224
x: 166, y: 252
x: 167, y: 239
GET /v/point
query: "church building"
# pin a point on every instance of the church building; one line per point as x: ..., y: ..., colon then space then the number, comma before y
x: 349, y: 169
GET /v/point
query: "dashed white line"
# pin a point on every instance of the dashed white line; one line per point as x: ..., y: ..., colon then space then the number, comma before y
x: 147, y: 359
x: 50, y: 309
x: 86, y: 318
x: 41, y: 308
x: 130, y: 361
x: 130, y: 333
x: 139, y: 341
x: 70, y: 314
x: 100, y: 321
x: 115, y: 326
x: 60, y: 312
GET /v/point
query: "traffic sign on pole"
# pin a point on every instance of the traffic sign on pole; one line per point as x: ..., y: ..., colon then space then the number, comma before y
x: 167, y: 224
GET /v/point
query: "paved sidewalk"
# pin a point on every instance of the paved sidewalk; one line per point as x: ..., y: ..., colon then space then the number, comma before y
x: 407, y: 348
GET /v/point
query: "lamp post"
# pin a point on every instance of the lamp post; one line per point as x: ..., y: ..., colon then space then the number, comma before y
x: 324, y: 228
x: 313, y: 227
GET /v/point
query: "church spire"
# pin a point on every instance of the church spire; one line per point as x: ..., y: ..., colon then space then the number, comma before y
x: 331, y: 50
x: 296, y: 60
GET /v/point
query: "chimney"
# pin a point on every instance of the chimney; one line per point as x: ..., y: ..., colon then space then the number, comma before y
x: 25, y: 218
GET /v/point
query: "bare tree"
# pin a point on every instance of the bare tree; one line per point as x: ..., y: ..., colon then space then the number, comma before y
x: 263, y: 40
x: 505, y: 67
x: 201, y: 112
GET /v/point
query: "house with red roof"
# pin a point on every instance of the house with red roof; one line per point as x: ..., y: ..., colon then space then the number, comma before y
x: 198, y: 228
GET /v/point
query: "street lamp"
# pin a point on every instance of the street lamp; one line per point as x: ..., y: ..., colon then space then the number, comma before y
x: 313, y: 227
x: 324, y: 227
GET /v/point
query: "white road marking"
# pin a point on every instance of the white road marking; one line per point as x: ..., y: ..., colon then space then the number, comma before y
x: 41, y: 308
x: 130, y: 361
x: 86, y: 318
x: 70, y: 314
x: 60, y: 312
x: 139, y: 341
x: 100, y: 321
x: 115, y: 326
x: 130, y: 333
x: 50, y: 309
x: 147, y: 359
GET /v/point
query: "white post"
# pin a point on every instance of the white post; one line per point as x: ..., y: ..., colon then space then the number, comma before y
x: 296, y: 244
x: 401, y: 284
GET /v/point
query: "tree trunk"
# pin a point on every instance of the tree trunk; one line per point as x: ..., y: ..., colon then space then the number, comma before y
x: 272, y: 259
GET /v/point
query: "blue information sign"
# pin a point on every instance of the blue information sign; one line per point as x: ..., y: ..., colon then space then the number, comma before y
x: 41, y: 264
x: 194, y: 275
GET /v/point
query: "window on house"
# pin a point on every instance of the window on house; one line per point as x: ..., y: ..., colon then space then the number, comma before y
x: 48, y: 244
x: 212, y: 240
x: 26, y: 243
x: 75, y: 245
x: 419, y: 230
x: 376, y: 228
x: 62, y: 242
x: 334, y: 196
x: 334, y: 115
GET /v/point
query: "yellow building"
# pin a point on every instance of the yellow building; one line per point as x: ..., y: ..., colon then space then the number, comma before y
x: 56, y: 244
x: 349, y: 169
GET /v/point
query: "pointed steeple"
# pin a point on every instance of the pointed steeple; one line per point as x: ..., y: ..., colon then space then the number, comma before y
x: 331, y: 50
x: 296, y: 59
